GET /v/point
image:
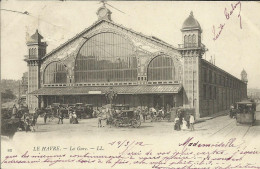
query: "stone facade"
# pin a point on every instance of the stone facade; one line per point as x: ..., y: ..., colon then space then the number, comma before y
x: 218, y: 89
x: 204, y: 87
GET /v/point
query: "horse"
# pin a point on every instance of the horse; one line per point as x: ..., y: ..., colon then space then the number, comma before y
x: 105, y: 114
x: 101, y: 115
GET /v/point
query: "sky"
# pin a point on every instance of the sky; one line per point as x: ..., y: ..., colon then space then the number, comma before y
x: 236, y: 48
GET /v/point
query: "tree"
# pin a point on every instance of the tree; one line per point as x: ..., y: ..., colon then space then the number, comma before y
x: 8, y: 94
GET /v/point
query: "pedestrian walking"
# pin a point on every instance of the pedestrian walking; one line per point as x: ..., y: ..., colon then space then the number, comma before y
x: 14, y: 111
x: 35, y: 115
x: 192, y: 120
x: 143, y: 115
x: 60, y: 117
x: 45, y: 116
x: 177, y: 124
x: 27, y: 124
x: 33, y: 123
x: 70, y: 117
x: 75, y: 119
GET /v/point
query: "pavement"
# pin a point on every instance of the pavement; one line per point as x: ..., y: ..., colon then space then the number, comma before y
x: 212, y: 116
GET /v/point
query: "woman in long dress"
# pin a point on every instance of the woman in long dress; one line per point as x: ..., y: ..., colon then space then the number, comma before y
x: 177, y: 123
x: 75, y: 119
x: 184, y: 124
x: 70, y: 117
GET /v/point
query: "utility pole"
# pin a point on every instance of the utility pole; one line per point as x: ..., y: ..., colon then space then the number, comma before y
x: 19, y: 94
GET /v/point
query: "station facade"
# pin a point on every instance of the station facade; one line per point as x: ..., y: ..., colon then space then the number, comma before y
x: 142, y: 70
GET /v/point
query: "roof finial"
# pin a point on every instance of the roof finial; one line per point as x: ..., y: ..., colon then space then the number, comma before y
x: 103, y: 2
x: 191, y: 13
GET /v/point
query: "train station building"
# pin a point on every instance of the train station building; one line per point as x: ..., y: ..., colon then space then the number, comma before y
x: 143, y: 70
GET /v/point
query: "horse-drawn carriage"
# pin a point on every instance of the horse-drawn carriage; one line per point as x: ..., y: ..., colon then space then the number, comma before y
x: 127, y: 118
x: 119, y: 115
x: 84, y: 111
x: 52, y: 110
x: 21, y: 111
x: 88, y: 111
x: 246, y: 112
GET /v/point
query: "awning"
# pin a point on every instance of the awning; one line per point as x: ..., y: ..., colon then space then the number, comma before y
x: 141, y: 89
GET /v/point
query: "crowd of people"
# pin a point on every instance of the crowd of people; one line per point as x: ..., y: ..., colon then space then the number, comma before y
x: 182, y: 121
x: 73, y: 119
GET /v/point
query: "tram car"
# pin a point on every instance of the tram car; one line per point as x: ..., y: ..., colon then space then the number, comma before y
x: 246, y: 112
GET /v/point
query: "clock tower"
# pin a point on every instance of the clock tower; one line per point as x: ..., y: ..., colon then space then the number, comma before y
x: 104, y: 13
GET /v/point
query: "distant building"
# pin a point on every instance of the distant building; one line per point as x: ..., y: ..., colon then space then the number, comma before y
x: 253, y: 93
x: 143, y: 70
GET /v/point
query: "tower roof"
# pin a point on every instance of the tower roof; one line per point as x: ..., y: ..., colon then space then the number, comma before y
x: 243, y: 71
x: 35, y: 38
x: 191, y: 23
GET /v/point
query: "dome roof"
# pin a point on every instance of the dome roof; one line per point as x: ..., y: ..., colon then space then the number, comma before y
x: 35, y: 38
x: 191, y: 23
x: 243, y: 72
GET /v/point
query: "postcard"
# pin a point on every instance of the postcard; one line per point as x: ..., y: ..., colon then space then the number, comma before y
x: 129, y: 84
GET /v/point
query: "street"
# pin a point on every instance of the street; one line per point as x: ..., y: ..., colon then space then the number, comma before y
x: 221, y: 126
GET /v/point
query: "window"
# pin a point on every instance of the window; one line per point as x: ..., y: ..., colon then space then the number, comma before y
x: 161, y: 68
x: 216, y: 79
x: 210, y: 76
x: 204, y: 92
x: 55, y: 72
x: 190, y: 39
x: 215, y: 92
x: 194, y: 40
x: 210, y: 92
x: 205, y: 74
x: 186, y: 41
x: 106, y: 57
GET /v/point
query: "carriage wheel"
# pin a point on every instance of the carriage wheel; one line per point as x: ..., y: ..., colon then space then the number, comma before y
x: 136, y: 123
x: 117, y: 123
x: 159, y: 119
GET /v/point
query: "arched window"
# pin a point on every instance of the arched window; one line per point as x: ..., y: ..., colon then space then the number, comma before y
x: 186, y: 41
x: 106, y: 57
x: 161, y: 68
x: 190, y: 41
x: 55, y: 72
x: 33, y: 51
x: 194, y: 40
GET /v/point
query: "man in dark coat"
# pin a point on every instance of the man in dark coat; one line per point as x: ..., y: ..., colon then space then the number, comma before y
x: 45, y: 116
x: 61, y: 116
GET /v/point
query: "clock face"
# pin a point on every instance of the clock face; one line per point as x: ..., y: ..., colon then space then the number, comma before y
x: 102, y: 12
